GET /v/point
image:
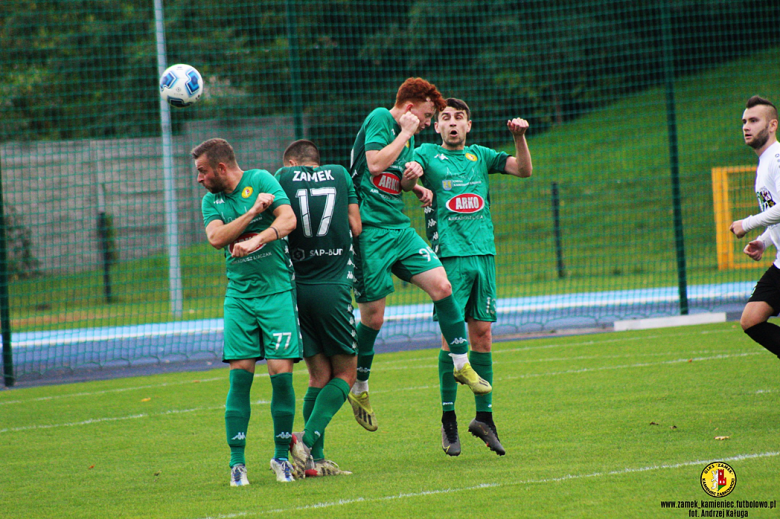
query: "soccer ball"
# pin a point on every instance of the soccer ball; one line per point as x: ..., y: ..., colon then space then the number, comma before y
x: 181, y: 85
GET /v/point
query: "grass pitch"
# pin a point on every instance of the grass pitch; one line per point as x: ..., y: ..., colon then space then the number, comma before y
x: 605, y: 425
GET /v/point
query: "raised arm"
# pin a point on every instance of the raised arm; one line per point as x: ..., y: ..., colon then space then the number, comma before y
x: 520, y: 164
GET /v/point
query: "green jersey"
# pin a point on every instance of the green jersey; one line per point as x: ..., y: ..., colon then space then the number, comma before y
x: 380, y: 196
x: 266, y: 270
x: 320, y: 246
x: 458, y: 221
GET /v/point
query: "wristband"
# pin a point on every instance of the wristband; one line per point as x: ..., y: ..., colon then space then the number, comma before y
x: 277, y: 232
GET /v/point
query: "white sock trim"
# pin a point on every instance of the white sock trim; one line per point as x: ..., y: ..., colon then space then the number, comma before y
x: 459, y: 359
x: 360, y: 386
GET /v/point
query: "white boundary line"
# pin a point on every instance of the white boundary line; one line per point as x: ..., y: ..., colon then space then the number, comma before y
x: 542, y: 481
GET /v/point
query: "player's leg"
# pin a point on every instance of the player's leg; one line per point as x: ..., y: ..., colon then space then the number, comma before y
x: 763, y: 304
x: 329, y: 401
x: 241, y: 351
x: 237, y: 413
x: 371, y: 319
x: 331, y: 397
x: 372, y: 316
x: 451, y: 323
x: 481, y: 357
x: 373, y: 258
x: 480, y: 311
x: 277, y: 317
x: 461, y: 280
x: 319, y: 375
x: 330, y: 350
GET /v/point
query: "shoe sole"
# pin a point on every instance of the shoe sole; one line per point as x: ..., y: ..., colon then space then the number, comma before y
x: 364, y: 418
x: 478, y: 431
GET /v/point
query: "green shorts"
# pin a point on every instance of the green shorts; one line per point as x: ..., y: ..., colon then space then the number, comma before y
x: 380, y: 252
x: 327, y: 322
x: 473, y: 280
x: 262, y: 328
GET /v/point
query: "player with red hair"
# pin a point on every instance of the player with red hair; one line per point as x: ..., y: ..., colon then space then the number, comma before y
x: 382, y: 169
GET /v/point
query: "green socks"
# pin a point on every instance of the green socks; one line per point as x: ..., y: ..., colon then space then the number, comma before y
x: 329, y: 401
x: 452, y: 326
x: 366, y: 337
x: 447, y: 384
x: 282, y: 412
x: 318, y: 449
x: 483, y: 365
x: 237, y: 413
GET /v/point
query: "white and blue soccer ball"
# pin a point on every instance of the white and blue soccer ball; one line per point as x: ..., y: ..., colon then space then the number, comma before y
x: 181, y: 85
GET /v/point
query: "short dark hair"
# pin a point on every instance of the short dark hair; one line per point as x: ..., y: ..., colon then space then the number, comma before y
x: 302, y: 151
x: 457, y: 104
x: 757, y: 100
x: 217, y: 150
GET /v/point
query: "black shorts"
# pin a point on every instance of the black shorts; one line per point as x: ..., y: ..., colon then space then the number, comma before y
x: 768, y: 289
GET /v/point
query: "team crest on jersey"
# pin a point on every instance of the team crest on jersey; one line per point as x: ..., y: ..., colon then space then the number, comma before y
x: 247, y: 192
x: 245, y: 237
x: 466, y: 203
x: 387, y: 183
x: 446, y: 185
x: 471, y: 157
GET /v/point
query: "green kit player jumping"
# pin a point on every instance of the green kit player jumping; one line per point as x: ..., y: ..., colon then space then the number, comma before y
x: 460, y: 230
x: 382, y: 168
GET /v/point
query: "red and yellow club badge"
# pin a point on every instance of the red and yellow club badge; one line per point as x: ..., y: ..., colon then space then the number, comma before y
x: 247, y: 192
x: 471, y: 157
x: 718, y: 479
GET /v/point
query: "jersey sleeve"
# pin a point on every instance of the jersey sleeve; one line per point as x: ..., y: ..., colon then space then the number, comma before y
x: 209, y: 211
x: 420, y: 155
x: 495, y: 160
x: 269, y: 184
x: 379, y: 130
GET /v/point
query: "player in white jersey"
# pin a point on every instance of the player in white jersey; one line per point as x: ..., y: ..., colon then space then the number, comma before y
x: 759, y: 127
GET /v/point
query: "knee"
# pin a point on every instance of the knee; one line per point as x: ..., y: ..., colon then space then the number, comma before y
x: 482, y: 340
x: 748, y: 321
x: 349, y: 378
x: 441, y: 289
x: 482, y: 343
x: 318, y: 379
x: 373, y: 320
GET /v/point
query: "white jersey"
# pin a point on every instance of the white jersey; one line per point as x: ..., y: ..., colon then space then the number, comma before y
x: 768, y: 194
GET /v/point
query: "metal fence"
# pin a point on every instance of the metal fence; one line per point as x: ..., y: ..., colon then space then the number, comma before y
x: 631, y: 106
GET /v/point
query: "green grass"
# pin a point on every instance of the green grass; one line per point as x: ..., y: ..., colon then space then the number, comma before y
x: 604, y: 425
